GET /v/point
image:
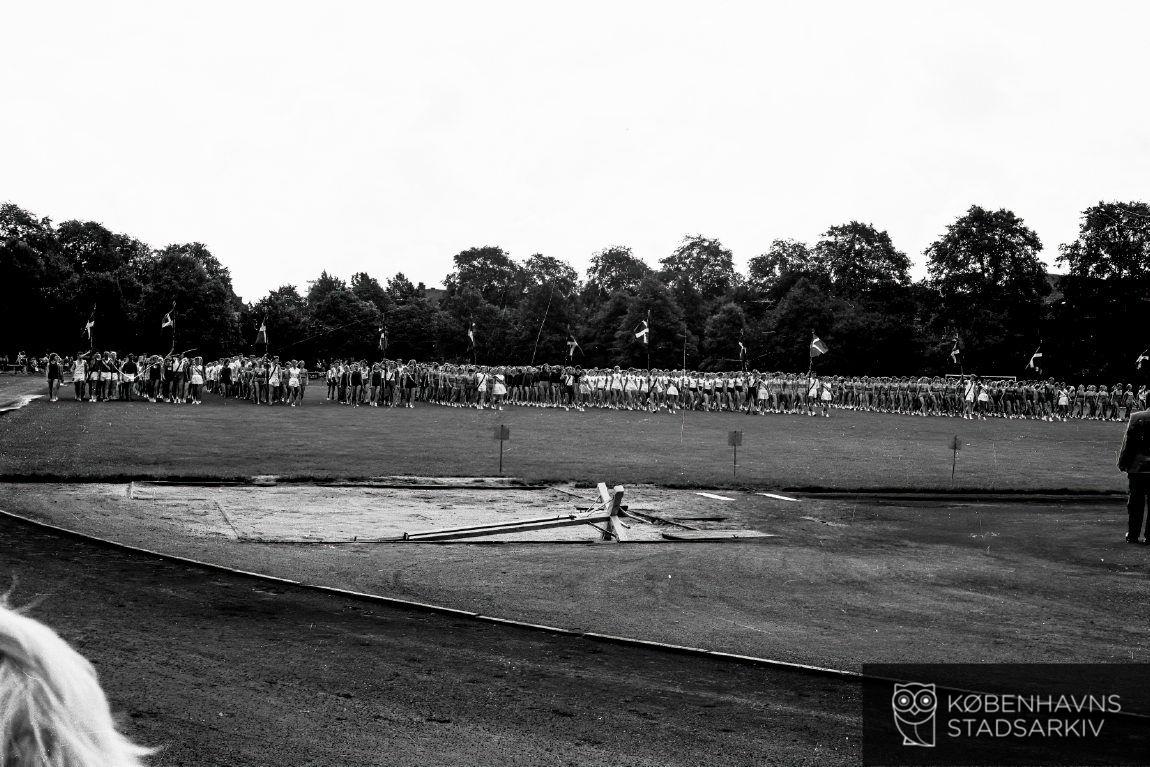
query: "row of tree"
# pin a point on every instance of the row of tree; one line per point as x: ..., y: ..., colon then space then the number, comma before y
x: 986, y: 286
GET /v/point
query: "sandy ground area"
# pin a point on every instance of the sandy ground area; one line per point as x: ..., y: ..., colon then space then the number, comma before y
x: 345, y: 514
x: 847, y: 580
x: 221, y: 670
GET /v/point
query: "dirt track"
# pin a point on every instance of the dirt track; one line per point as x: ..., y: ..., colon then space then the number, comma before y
x: 226, y: 671
x: 848, y: 581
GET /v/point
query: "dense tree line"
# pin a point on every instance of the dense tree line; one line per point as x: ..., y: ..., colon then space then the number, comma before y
x: 985, y: 287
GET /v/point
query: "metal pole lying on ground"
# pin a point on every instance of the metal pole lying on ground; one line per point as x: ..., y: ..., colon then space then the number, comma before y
x: 611, y: 513
x: 518, y: 526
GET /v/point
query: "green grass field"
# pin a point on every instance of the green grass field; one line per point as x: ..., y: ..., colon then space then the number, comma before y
x: 229, y: 439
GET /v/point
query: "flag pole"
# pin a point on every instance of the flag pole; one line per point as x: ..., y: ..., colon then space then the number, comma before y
x: 683, y: 410
x: 550, y: 295
x: 648, y: 339
x: 811, y: 358
x: 684, y: 347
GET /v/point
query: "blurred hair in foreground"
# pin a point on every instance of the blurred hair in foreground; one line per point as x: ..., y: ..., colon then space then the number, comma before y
x: 52, y: 710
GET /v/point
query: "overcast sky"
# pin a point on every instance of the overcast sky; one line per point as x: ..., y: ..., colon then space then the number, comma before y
x: 386, y: 137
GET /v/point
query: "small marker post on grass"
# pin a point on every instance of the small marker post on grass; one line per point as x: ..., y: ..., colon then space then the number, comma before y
x: 955, y: 446
x: 734, y: 439
x: 502, y: 433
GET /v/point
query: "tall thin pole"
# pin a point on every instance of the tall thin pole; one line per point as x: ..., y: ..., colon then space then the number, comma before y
x: 550, y: 295
x: 173, y: 327
x: 682, y: 410
x: 648, y: 339
x: 810, y: 372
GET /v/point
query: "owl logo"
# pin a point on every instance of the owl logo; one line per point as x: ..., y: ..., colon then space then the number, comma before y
x: 914, y: 706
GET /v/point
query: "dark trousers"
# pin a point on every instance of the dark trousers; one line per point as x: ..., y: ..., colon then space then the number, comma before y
x: 1136, y: 504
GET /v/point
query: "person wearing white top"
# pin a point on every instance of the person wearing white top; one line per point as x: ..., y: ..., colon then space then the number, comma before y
x: 969, y: 393
x: 481, y: 379
x: 79, y: 373
x: 293, y: 383
x: 499, y: 388
x: 195, y: 380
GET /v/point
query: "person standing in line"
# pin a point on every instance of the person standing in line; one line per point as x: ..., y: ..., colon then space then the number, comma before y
x: 196, y: 378
x: 111, y: 377
x: 96, y: 372
x: 825, y: 397
x: 180, y: 379
x: 293, y: 383
x: 376, y: 384
x: 1134, y: 459
x: 480, y: 388
x: 55, y: 376
x: 79, y: 374
x: 260, y: 381
x: 275, y: 390
x: 155, y: 379
x: 129, y: 370
x: 344, y: 383
x: 225, y: 378
x: 354, y: 395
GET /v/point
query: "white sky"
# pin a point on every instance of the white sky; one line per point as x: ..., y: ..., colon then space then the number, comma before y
x: 293, y: 137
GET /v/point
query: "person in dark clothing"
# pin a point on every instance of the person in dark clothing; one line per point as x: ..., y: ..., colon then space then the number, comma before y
x: 1134, y: 459
x: 55, y: 376
x: 128, y: 372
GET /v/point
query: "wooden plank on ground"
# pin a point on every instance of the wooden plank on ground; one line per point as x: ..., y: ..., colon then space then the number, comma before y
x: 614, y: 509
x: 715, y: 535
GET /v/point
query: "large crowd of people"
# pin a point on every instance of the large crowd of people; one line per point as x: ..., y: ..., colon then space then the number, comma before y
x: 268, y: 380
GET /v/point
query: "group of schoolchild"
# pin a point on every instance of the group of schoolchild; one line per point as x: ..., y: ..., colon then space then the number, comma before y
x: 403, y: 384
x: 107, y: 376
x: 175, y: 378
x: 394, y: 383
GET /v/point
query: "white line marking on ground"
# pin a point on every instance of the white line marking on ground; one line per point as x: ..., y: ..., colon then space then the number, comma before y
x: 716, y: 497
x: 21, y: 402
x: 780, y: 497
